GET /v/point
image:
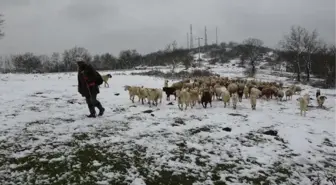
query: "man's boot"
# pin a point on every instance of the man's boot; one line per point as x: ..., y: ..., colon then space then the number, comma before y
x: 92, y: 112
x: 101, y: 109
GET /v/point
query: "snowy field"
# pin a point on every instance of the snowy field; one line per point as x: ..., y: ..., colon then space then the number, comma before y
x: 46, y: 139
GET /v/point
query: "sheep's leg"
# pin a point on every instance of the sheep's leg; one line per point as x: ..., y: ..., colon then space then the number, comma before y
x: 142, y: 101
x: 210, y: 104
x: 224, y: 104
x: 107, y: 85
x: 180, y: 107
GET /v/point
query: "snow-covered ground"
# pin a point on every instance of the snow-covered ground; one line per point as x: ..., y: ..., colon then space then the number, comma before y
x: 46, y: 139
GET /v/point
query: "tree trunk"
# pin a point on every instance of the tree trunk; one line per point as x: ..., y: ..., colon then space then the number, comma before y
x: 308, y: 67
x: 298, y: 78
x: 308, y: 73
x: 253, y: 70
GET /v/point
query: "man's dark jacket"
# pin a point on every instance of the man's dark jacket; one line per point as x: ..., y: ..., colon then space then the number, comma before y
x: 87, y: 80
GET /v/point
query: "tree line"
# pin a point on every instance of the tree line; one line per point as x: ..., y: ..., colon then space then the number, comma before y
x: 303, y: 51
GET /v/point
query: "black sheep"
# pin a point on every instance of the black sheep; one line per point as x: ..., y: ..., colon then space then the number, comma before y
x: 169, y: 91
x: 206, y: 98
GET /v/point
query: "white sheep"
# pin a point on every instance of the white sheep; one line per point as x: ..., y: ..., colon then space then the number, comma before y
x: 132, y: 91
x: 188, y: 85
x: 303, y: 105
x: 255, y: 91
x: 226, y: 97
x: 233, y: 87
x: 183, y: 99
x: 234, y: 100
x: 253, y: 100
x: 289, y: 93
x: 194, y: 97
x: 295, y: 89
x: 246, y: 90
x: 307, y: 97
x: 143, y: 94
x: 219, y: 90
x: 280, y: 95
x: 253, y: 97
x: 154, y: 95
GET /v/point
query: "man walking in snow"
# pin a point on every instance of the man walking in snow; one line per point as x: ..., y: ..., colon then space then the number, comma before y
x: 88, y: 81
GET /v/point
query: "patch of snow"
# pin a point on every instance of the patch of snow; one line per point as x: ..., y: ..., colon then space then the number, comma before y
x: 44, y: 115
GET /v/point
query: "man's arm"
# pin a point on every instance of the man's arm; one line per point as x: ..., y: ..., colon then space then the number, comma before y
x: 79, y: 83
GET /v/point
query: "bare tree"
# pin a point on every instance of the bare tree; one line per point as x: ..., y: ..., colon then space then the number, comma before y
x: 302, y: 44
x: 293, y: 43
x: 330, y: 77
x: 170, y: 48
x: 69, y: 57
x: 251, y: 51
x: 56, y: 60
x: 1, y: 23
x: 187, y: 61
x: 311, y: 45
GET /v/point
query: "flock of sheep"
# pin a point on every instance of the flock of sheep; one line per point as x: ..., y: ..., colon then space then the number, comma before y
x: 204, y: 90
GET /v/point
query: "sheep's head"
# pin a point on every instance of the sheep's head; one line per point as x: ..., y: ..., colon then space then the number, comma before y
x: 323, y: 98
x: 126, y: 87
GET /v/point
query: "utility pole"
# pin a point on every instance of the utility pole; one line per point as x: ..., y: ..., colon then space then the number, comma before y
x: 216, y: 37
x: 188, y: 46
x: 199, y: 50
x: 191, y: 38
x: 205, y: 37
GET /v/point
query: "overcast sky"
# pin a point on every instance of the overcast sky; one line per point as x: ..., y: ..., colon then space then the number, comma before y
x: 44, y: 26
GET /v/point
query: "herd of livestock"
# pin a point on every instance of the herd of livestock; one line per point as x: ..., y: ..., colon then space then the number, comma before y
x: 204, y: 90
